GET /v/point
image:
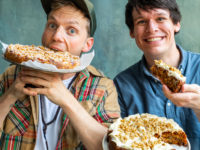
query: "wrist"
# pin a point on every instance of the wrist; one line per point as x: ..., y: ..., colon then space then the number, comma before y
x: 69, y: 103
x: 8, y: 98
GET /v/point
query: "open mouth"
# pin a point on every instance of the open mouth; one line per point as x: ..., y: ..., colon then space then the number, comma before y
x: 56, y: 48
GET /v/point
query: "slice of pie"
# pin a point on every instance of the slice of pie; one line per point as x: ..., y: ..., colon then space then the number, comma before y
x: 21, y: 53
x: 168, y: 75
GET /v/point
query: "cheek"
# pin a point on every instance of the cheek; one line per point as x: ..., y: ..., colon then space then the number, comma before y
x: 138, y: 33
x: 75, y: 42
x: 138, y: 38
x: 45, y: 38
x: 76, y: 46
x: 168, y: 29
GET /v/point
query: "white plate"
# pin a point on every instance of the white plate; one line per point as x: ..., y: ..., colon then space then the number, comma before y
x: 105, y: 145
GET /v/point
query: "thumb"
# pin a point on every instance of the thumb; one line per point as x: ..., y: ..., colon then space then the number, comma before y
x: 166, y: 90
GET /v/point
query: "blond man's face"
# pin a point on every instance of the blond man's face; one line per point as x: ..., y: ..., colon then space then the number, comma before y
x: 66, y: 30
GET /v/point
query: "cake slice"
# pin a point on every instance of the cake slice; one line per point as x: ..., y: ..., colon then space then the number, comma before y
x: 168, y: 75
x: 18, y: 53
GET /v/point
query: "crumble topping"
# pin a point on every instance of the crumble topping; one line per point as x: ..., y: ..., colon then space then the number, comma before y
x: 62, y: 60
x: 143, y: 132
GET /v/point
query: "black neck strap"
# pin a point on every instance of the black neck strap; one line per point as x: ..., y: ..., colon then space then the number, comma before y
x: 57, y: 111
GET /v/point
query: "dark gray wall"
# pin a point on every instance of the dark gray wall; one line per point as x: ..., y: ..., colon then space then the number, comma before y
x: 22, y: 21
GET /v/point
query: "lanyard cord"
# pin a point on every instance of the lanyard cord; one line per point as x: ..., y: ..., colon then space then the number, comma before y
x: 57, y: 111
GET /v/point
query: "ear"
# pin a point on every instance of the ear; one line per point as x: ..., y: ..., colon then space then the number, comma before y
x: 177, y: 27
x: 88, y: 45
x: 132, y: 34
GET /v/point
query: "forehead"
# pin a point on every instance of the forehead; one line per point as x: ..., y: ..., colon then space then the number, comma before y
x: 66, y: 12
x: 149, y: 12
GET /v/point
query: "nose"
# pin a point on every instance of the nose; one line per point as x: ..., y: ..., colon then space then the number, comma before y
x: 151, y: 26
x: 59, y: 34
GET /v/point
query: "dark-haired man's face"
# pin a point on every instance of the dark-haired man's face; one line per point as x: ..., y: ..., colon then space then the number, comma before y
x: 154, y: 31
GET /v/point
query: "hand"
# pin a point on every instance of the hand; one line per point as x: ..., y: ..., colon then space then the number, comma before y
x: 188, y: 97
x: 16, y: 90
x: 48, y: 84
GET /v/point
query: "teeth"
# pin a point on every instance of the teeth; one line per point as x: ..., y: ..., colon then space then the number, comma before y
x: 55, y: 49
x: 154, y: 39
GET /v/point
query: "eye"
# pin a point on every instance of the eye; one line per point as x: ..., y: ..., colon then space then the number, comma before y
x: 51, y: 26
x: 161, y: 19
x: 72, y: 31
x: 141, y: 22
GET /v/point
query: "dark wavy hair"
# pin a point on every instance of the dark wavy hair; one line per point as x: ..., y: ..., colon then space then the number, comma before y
x: 170, y: 5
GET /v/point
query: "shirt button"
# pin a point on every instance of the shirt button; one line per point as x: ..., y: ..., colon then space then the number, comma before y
x: 168, y: 104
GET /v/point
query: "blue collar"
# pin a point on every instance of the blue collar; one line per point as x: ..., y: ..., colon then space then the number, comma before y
x: 184, y: 59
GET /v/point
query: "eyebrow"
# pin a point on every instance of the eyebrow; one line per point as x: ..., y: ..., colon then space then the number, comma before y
x: 162, y: 14
x: 158, y: 14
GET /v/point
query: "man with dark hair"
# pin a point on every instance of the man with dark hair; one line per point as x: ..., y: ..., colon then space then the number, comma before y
x: 63, y: 111
x: 153, y: 24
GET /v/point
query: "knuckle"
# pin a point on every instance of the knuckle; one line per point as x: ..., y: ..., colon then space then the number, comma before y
x: 49, y: 91
x: 189, y: 98
x: 181, y: 104
x: 37, y: 81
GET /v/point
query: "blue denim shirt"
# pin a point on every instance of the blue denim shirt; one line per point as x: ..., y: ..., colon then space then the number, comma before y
x: 140, y: 92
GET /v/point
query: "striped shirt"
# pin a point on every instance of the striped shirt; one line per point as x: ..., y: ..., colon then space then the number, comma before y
x: 96, y: 93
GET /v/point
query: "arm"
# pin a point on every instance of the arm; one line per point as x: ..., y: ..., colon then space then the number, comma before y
x: 9, y: 98
x: 123, y: 108
x: 188, y: 97
x: 90, y: 131
x: 6, y: 102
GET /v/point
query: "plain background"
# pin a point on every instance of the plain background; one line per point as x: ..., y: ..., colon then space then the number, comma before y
x: 23, y: 21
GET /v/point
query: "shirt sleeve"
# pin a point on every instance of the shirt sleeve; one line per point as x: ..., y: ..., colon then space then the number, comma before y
x: 2, y: 84
x: 5, y: 80
x: 120, y: 100
x: 110, y: 103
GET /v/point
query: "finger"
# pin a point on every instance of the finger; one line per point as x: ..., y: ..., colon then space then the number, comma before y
x: 36, y: 70
x: 194, y: 88
x: 30, y: 91
x: 166, y: 91
x: 38, y: 82
x: 176, y: 98
x: 35, y: 91
x: 31, y: 72
x: 43, y: 91
x: 39, y: 74
x: 185, y: 99
x: 19, y: 83
x: 26, y: 68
